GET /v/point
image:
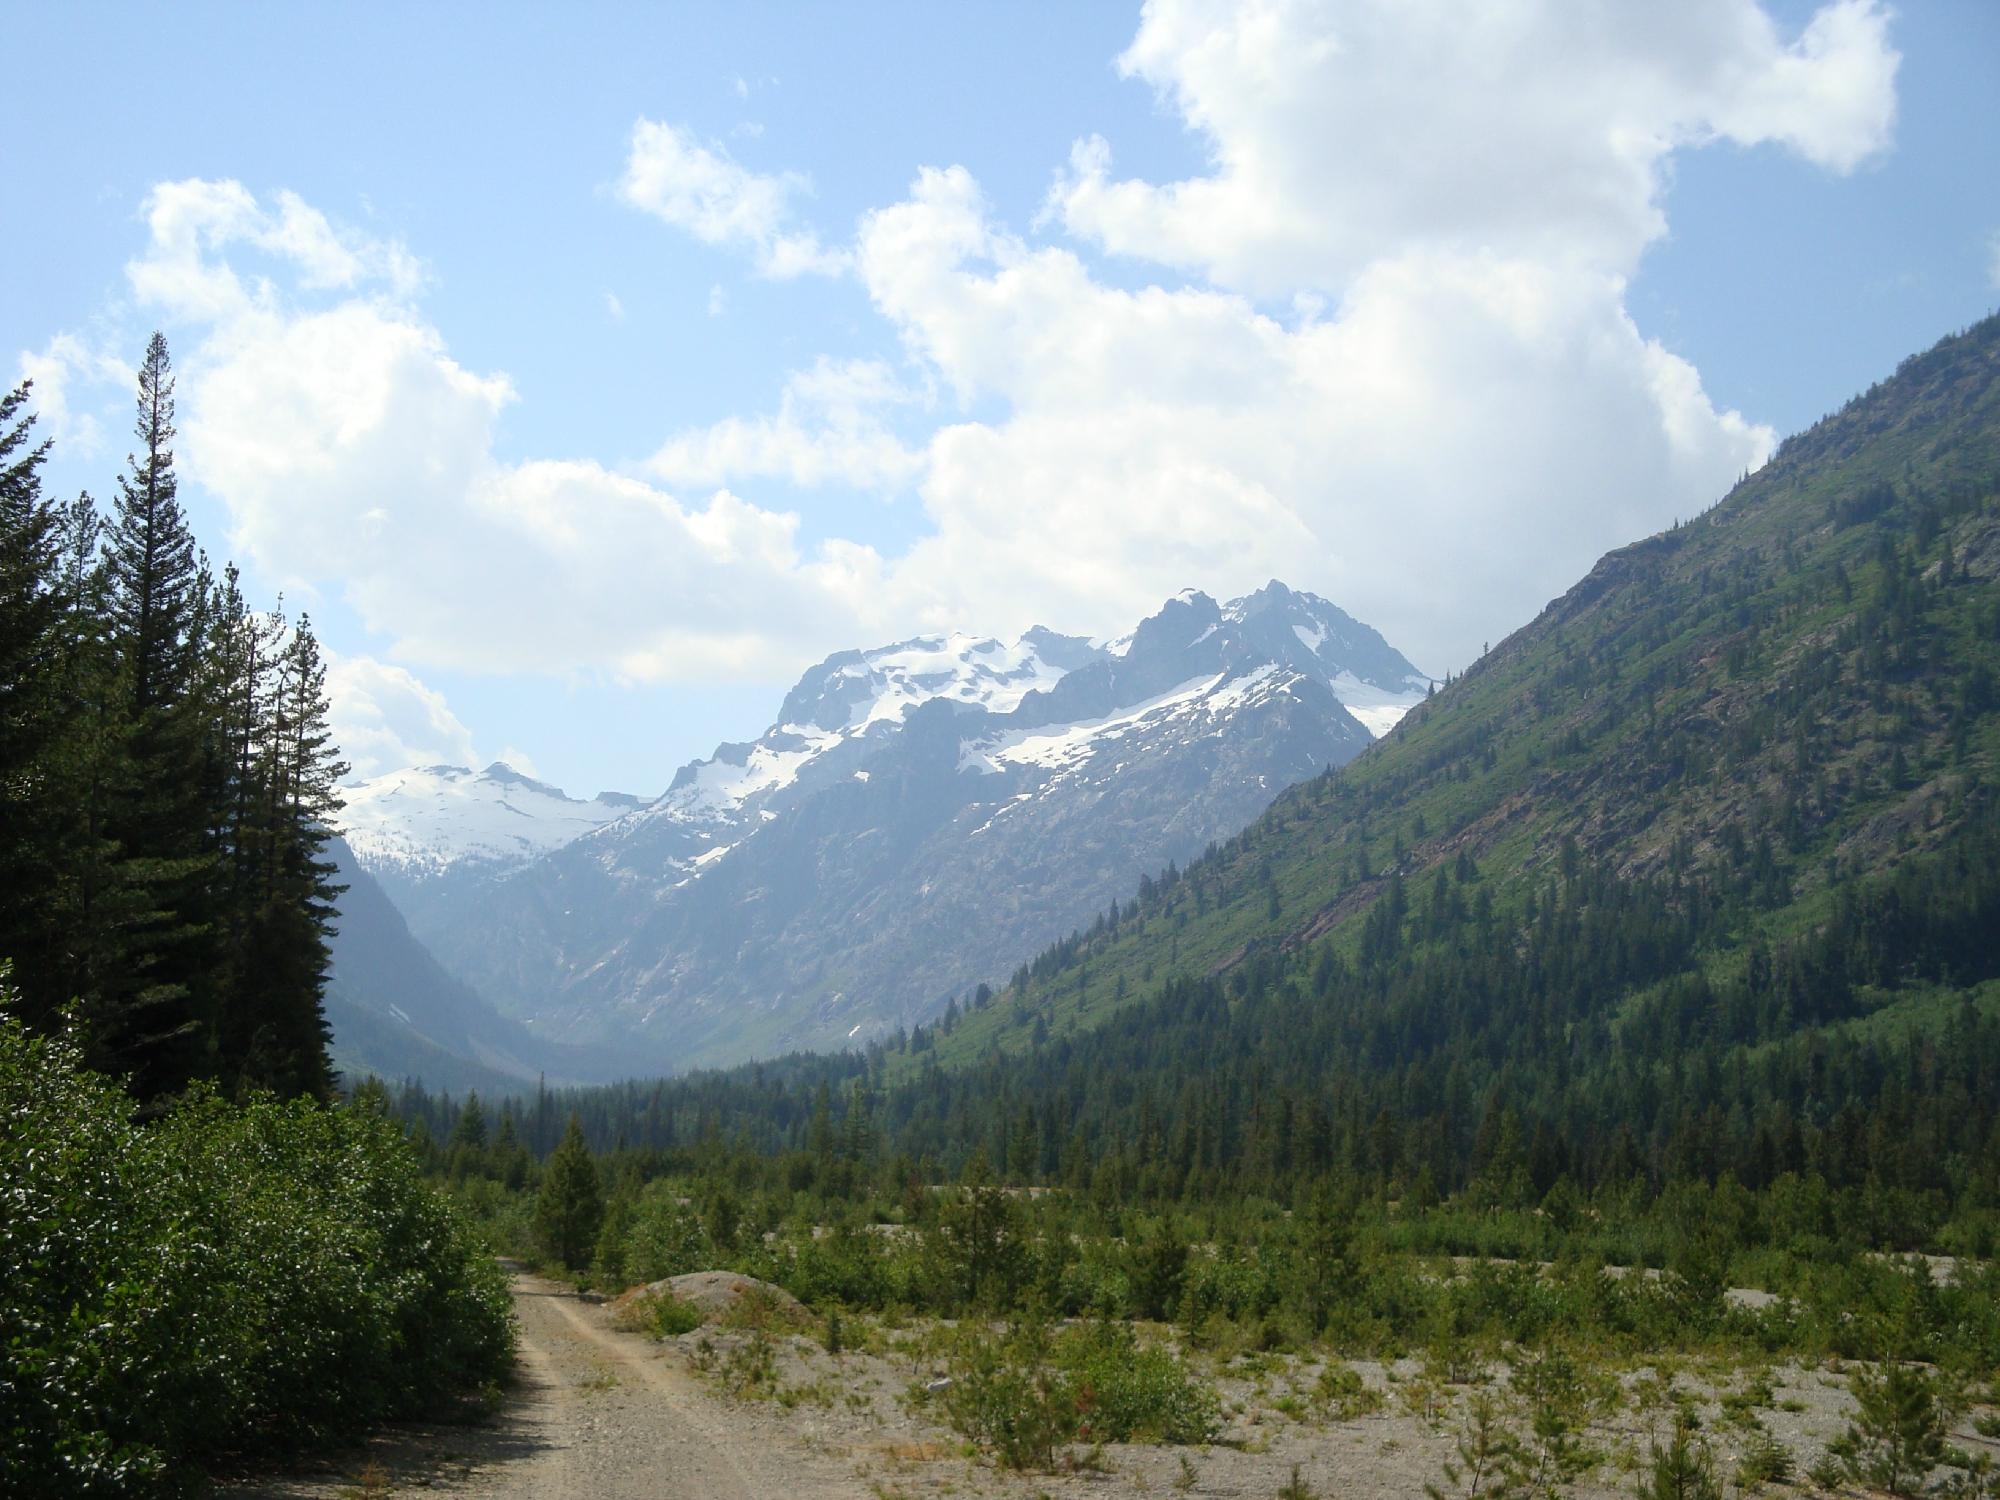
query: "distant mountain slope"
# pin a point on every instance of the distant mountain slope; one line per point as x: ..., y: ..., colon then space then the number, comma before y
x: 397, y: 1014
x: 1735, y: 789
x: 412, y: 827
x: 920, y: 818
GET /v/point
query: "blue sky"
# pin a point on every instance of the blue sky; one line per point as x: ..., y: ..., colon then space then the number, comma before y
x: 972, y: 316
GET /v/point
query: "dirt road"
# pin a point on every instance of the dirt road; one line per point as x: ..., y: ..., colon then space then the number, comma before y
x: 596, y: 1413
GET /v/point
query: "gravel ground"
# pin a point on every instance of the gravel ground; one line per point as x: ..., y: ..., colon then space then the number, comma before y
x: 599, y: 1411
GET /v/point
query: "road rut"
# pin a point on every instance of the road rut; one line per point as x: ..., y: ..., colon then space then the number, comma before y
x: 594, y: 1412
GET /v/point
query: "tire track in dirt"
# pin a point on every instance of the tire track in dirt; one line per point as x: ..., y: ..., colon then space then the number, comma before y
x: 594, y: 1414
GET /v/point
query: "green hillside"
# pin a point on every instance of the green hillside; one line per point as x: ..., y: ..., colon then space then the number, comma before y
x: 1786, y: 694
x: 1695, y: 877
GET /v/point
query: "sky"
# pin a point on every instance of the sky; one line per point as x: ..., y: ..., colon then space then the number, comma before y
x: 586, y: 373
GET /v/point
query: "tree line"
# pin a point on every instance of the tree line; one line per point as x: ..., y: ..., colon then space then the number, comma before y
x: 169, y: 781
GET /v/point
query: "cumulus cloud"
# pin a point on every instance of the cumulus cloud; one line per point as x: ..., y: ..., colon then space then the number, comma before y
x: 828, y: 427
x: 384, y: 718
x: 1384, y: 378
x: 1442, y: 458
x: 1341, y: 133
x: 703, y: 190
x: 69, y: 362
x: 190, y: 223
x: 349, y: 446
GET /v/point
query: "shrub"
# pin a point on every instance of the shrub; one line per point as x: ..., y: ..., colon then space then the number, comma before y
x: 668, y: 1316
x: 1765, y: 1461
x: 1681, y: 1470
x: 1005, y: 1394
x: 1125, y: 1393
x: 228, y: 1279
x: 666, y: 1237
x: 1025, y: 1393
x: 1342, y: 1394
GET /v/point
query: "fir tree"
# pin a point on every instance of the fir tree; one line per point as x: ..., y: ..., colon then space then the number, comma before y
x: 570, y: 1208
x: 31, y: 704
x: 159, y: 1019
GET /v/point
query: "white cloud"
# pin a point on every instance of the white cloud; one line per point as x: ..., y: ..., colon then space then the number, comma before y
x: 384, y: 718
x: 65, y: 364
x: 827, y: 428
x: 1342, y: 133
x: 349, y: 447
x: 718, y: 301
x: 1451, y: 418
x: 613, y: 307
x: 706, y: 192
x: 1443, y: 458
x: 191, y: 222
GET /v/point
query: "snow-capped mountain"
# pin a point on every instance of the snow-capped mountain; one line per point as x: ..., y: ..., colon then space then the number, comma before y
x: 410, y: 828
x: 921, y: 817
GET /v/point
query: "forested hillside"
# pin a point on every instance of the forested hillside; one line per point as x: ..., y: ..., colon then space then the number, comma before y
x: 1695, y: 875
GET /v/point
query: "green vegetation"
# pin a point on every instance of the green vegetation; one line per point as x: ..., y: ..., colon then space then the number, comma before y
x: 222, y: 1282
x: 1029, y: 1391
x: 169, y: 781
x: 203, y: 1259
x: 1651, y: 959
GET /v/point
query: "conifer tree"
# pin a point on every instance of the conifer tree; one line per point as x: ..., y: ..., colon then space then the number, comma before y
x: 30, y: 699
x: 570, y: 1208
x: 157, y: 1020
x: 283, y: 893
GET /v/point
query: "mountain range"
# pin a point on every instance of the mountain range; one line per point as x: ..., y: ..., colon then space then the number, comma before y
x: 920, y: 818
x: 1692, y: 880
x: 1718, y: 826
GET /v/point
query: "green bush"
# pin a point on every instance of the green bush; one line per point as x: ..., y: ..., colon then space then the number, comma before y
x: 666, y: 1237
x: 1025, y: 1393
x: 1127, y: 1393
x: 668, y: 1316
x: 1006, y: 1394
x: 227, y: 1279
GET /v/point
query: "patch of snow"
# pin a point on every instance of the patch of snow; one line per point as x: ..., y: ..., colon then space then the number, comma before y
x: 1066, y: 746
x: 1378, y: 709
x: 719, y: 787
x: 426, y: 819
x: 860, y: 775
x: 978, y: 671
x: 1311, y: 639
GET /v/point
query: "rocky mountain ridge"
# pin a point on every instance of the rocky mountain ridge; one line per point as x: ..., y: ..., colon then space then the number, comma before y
x: 920, y: 818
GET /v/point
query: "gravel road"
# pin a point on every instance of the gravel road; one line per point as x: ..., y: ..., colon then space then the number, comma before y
x: 595, y: 1413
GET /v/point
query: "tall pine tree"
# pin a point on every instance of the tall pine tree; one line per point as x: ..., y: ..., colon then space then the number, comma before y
x: 159, y: 1010
x: 31, y: 703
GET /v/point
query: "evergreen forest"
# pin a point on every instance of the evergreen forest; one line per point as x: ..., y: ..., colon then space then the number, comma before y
x: 206, y: 1256
x: 1663, y: 940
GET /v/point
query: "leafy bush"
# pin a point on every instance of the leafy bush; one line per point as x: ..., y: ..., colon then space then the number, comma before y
x: 1006, y: 1394
x: 1342, y: 1394
x: 666, y: 1237
x: 225, y: 1279
x: 1026, y: 1392
x: 1126, y: 1393
x: 668, y: 1316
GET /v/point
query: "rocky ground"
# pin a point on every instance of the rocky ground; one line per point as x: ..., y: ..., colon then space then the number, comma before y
x: 733, y: 1411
